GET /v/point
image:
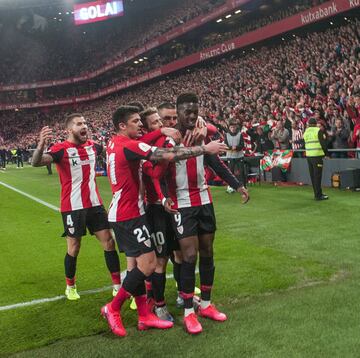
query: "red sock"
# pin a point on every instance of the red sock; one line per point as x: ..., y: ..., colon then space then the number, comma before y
x: 141, y: 305
x: 148, y: 285
x: 70, y: 281
x: 115, y: 278
x: 119, y: 299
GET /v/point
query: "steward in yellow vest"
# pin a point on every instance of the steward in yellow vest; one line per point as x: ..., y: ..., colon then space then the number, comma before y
x: 316, y: 149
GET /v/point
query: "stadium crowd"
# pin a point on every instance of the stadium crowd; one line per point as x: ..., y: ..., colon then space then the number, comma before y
x: 270, y: 93
x: 64, y: 50
x: 162, y: 55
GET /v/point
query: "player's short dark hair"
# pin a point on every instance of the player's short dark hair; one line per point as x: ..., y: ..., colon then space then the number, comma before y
x: 122, y: 114
x: 137, y: 104
x: 166, y: 105
x: 188, y: 97
x: 144, y: 114
x: 69, y: 118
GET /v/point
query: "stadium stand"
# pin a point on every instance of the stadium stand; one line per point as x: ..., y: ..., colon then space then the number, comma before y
x: 60, y: 49
x: 314, y: 73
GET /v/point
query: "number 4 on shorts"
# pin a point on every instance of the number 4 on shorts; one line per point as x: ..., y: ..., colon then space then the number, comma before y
x: 69, y: 221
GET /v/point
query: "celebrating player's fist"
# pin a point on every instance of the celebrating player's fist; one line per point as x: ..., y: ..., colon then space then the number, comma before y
x: 45, y: 135
x: 172, y: 133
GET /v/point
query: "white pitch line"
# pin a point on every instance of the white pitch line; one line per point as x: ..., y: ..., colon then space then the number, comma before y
x: 56, y: 298
x: 62, y: 297
x: 53, y: 207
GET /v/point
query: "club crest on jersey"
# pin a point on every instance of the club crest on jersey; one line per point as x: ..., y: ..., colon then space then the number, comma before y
x: 71, y: 230
x: 144, y: 147
x: 147, y: 242
x: 180, y: 229
x: 159, y: 249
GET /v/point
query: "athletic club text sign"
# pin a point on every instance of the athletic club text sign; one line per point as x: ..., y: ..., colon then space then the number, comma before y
x: 97, y: 11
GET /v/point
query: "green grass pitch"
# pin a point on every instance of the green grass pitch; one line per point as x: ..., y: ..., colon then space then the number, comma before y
x: 287, y: 275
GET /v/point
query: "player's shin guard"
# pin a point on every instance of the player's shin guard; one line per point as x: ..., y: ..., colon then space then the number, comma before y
x: 187, y: 279
x: 207, y: 272
x: 70, y: 269
x: 158, y: 283
x: 113, y: 265
x: 131, y: 286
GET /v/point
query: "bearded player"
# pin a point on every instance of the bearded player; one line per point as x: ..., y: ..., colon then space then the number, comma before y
x: 81, y: 205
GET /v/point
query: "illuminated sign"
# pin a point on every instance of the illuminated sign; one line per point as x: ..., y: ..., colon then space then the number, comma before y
x: 97, y: 11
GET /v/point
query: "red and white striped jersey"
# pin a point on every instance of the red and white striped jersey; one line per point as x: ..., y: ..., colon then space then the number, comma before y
x: 187, y: 184
x: 152, y: 175
x: 124, y: 157
x: 76, y: 167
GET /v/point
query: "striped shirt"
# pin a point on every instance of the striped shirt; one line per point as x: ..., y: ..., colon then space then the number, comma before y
x: 76, y: 167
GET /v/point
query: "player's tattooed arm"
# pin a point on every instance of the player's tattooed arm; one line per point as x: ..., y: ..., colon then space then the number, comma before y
x: 180, y: 153
x: 39, y: 158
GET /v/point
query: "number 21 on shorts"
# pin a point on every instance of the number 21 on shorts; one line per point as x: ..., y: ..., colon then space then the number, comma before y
x: 139, y: 233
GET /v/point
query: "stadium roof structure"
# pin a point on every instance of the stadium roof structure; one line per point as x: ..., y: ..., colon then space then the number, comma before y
x: 25, y: 4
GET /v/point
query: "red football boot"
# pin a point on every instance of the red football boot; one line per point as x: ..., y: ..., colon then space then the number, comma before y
x: 191, y: 324
x: 114, y: 320
x: 152, y: 321
x: 150, y: 304
x: 212, y: 313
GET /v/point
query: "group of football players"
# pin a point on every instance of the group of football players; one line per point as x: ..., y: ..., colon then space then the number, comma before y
x: 161, y: 207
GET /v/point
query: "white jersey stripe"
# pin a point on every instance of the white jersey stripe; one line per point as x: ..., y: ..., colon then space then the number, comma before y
x: 92, y: 185
x: 203, y: 188
x: 141, y: 191
x: 112, y: 216
x: 182, y: 185
x: 76, y: 179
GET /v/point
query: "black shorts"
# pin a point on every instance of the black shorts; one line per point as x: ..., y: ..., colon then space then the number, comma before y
x: 162, y: 232
x: 194, y: 221
x: 75, y: 222
x: 133, y: 236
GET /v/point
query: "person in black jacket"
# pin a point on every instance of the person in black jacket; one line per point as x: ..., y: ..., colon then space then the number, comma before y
x: 339, y: 138
x: 263, y: 143
x: 3, y: 158
x: 19, y: 158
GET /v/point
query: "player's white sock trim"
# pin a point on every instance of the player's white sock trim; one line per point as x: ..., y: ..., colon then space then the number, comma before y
x: 204, y: 304
x: 67, y: 286
x: 188, y: 311
x: 117, y: 287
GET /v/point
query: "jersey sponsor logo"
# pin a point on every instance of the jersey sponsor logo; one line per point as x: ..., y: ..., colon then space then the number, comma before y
x: 144, y: 147
x: 75, y: 162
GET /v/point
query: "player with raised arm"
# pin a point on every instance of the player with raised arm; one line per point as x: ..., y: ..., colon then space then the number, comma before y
x: 127, y: 213
x: 81, y: 204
